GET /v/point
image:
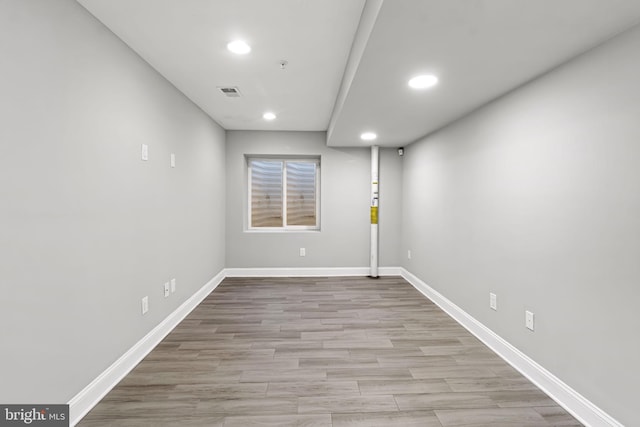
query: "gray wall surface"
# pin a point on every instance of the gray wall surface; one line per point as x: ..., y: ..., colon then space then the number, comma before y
x: 345, y: 175
x: 389, y: 212
x: 86, y: 228
x: 536, y: 197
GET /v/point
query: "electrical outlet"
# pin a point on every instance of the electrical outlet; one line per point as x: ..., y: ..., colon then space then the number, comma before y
x: 528, y: 319
x: 173, y: 160
x: 145, y: 305
x: 166, y: 289
x: 303, y: 252
x: 144, y: 152
x: 409, y: 254
x: 173, y: 285
x: 493, y: 301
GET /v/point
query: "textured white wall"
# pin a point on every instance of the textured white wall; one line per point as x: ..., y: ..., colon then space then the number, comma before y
x: 86, y: 228
x: 536, y: 197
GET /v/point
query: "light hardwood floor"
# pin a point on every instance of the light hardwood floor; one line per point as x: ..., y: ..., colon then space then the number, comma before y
x: 332, y: 351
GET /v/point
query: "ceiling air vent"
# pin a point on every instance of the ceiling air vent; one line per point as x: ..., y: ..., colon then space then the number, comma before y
x: 231, y: 91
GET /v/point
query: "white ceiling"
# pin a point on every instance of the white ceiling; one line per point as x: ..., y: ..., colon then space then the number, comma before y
x: 479, y: 49
x: 185, y: 41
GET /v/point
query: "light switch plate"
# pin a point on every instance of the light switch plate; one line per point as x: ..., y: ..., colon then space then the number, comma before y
x: 144, y: 152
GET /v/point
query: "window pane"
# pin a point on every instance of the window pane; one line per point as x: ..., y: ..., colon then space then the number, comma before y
x: 266, y: 193
x: 301, y: 193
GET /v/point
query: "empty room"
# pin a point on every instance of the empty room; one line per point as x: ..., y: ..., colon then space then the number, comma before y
x: 320, y: 213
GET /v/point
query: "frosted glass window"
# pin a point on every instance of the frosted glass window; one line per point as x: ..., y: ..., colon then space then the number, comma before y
x: 283, y: 194
x: 301, y: 193
x: 266, y: 194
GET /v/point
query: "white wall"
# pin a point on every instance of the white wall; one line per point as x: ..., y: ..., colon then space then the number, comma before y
x: 536, y: 197
x: 389, y: 212
x: 86, y: 228
x: 343, y: 240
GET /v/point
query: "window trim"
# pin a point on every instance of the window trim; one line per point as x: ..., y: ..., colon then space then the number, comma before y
x: 285, y: 228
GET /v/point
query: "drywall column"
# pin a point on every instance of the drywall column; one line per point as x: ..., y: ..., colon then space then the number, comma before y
x: 374, y: 210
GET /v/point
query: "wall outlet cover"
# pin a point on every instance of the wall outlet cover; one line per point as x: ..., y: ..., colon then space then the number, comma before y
x: 529, y: 319
x: 493, y: 301
x: 145, y: 305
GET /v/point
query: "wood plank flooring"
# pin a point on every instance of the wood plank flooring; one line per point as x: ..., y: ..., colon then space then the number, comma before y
x: 347, y: 351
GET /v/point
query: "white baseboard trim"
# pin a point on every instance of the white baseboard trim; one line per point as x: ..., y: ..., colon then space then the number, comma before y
x: 576, y: 404
x: 84, y: 401
x: 309, y: 272
x: 91, y: 395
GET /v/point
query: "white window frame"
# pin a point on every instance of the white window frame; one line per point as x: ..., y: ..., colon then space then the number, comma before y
x: 284, y: 160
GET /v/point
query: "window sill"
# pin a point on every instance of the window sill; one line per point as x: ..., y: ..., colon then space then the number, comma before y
x: 281, y: 230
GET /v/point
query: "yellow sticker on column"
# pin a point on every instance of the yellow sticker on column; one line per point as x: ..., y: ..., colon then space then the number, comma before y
x: 374, y: 214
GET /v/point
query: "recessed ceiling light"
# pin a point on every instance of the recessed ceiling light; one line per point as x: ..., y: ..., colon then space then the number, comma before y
x: 424, y: 81
x: 269, y: 116
x: 368, y: 136
x: 239, y: 47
